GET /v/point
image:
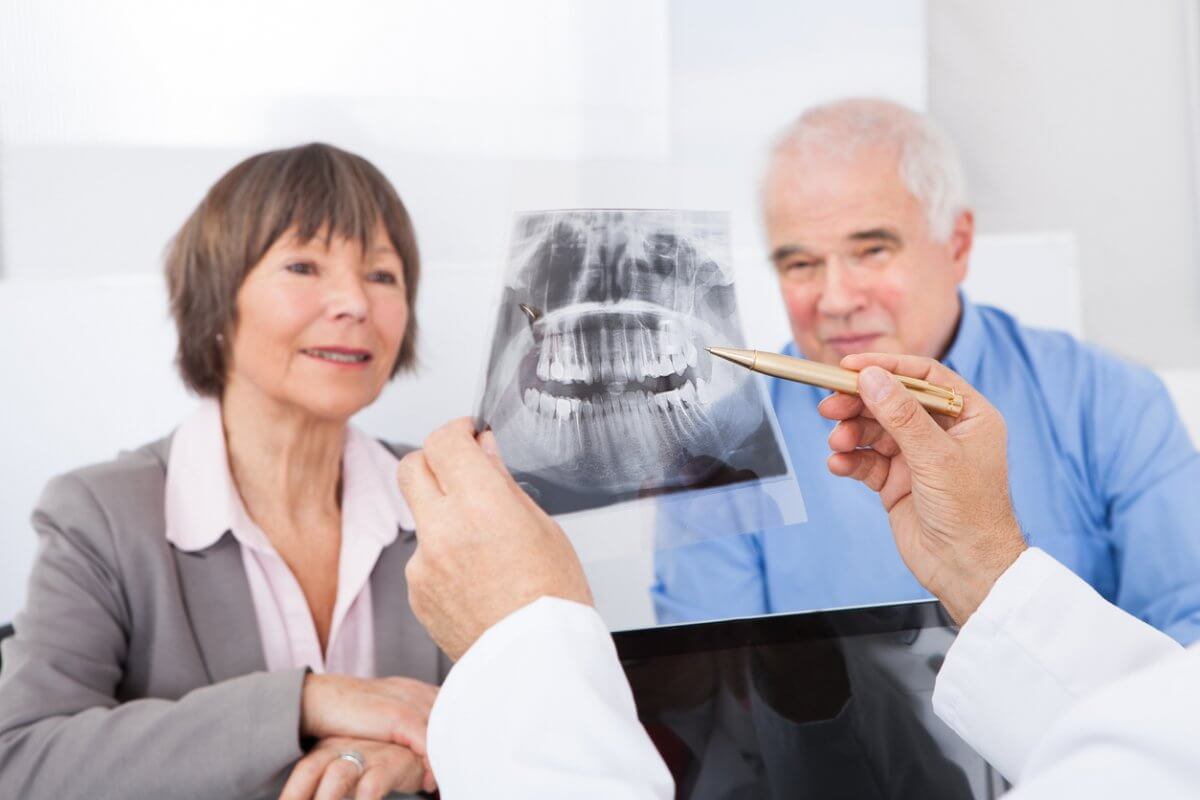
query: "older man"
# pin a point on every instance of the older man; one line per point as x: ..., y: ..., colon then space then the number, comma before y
x: 870, y: 235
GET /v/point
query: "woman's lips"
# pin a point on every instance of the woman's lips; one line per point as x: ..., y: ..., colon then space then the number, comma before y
x: 339, y: 356
x: 857, y: 343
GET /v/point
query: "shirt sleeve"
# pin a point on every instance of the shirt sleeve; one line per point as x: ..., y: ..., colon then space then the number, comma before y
x: 540, y: 707
x: 1134, y: 738
x: 1040, y: 641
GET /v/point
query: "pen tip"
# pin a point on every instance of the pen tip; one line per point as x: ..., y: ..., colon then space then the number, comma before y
x: 737, y: 355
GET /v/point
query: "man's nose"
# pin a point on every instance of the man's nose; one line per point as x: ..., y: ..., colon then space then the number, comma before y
x: 840, y: 293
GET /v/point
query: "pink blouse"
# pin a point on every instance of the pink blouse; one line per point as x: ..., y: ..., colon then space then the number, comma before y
x: 202, y: 503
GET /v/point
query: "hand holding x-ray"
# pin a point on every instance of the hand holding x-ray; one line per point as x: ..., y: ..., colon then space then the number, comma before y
x: 599, y: 388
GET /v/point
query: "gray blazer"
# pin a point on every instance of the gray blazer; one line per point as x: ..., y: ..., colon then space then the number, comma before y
x: 137, y: 669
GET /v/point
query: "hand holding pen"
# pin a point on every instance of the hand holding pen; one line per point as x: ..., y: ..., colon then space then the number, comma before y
x: 938, y: 399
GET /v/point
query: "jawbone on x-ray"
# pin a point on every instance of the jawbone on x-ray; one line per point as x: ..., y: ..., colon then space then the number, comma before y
x: 599, y: 387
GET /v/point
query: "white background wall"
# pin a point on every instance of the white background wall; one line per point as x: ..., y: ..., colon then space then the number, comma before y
x: 1077, y: 115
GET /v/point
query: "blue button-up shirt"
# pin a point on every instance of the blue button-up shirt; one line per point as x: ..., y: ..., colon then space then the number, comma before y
x: 1103, y: 477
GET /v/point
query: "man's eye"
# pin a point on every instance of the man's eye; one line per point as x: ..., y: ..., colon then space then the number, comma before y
x: 302, y: 268
x: 800, y: 265
x: 872, y: 252
x: 382, y: 276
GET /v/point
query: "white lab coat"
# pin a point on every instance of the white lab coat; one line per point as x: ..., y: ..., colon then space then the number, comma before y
x: 1063, y: 692
x: 1068, y: 696
x: 539, y: 707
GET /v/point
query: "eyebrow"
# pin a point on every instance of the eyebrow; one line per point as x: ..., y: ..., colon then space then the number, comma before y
x: 787, y: 251
x: 876, y: 234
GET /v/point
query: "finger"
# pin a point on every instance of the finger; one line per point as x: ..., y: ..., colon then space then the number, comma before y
x: 338, y: 780
x: 487, y: 443
x: 373, y: 785
x: 866, y: 466
x: 398, y: 771
x: 457, y: 460
x: 898, y: 484
x: 428, y: 781
x: 852, y: 434
x: 899, y: 413
x: 381, y: 781
x: 927, y: 369
x: 419, y: 487
x: 487, y: 440
x: 841, y: 406
x: 409, y: 730
x: 306, y: 774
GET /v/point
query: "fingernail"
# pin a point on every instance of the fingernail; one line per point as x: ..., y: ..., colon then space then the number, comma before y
x: 875, y: 383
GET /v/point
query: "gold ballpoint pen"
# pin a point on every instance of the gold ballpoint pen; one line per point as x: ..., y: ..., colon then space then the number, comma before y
x: 937, y: 399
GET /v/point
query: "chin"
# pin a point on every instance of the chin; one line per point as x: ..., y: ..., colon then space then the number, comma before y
x: 334, y: 406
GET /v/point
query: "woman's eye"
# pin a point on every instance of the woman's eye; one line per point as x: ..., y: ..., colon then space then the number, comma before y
x: 382, y: 276
x: 302, y: 268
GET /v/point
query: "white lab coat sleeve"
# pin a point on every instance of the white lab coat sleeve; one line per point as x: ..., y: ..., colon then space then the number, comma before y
x: 1041, y: 641
x: 540, y: 707
x: 1135, y: 738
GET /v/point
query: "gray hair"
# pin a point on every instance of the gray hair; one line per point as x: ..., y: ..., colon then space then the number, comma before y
x: 929, y: 163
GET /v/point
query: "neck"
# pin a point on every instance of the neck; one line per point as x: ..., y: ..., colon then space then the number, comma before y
x: 946, y: 339
x: 285, y: 462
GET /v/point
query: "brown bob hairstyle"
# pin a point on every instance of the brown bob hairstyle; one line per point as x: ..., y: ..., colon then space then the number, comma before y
x: 315, y: 189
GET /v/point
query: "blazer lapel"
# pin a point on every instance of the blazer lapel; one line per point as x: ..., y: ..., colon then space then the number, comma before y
x: 402, y: 647
x: 220, y: 608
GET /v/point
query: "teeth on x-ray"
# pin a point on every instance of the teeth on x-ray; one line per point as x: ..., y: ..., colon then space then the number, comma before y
x: 613, y: 367
x: 599, y: 378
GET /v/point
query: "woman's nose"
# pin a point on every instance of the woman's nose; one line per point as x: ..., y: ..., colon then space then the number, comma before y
x: 348, y: 298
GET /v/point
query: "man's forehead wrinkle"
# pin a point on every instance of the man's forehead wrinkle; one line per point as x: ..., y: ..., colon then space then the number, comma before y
x: 816, y: 220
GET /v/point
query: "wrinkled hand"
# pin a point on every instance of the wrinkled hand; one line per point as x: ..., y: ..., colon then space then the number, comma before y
x: 387, y: 768
x: 388, y: 710
x: 484, y: 548
x: 943, y: 481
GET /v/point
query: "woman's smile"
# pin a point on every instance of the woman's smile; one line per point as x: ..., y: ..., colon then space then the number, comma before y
x: 339, y: 356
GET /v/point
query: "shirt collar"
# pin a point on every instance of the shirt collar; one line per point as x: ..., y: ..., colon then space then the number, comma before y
x: 202, y: 501
x: 966, y: 349
x: 369, y: 488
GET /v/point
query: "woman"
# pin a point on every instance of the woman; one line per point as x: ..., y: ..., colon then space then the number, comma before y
x: 208, y: 607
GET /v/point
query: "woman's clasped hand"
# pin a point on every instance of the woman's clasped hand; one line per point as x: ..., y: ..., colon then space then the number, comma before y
x: 379, y: 722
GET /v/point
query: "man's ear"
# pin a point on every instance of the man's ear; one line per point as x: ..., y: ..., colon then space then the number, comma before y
x: 962, y: 238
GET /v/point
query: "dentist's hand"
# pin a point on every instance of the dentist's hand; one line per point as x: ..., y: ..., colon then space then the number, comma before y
x: 484, y: 548
x: 943, y: 481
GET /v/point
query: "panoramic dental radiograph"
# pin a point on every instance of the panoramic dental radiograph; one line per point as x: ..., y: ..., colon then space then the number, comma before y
x: 599, y: 388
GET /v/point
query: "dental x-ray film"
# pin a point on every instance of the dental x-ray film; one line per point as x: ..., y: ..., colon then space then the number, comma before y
x: 598, y: 386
